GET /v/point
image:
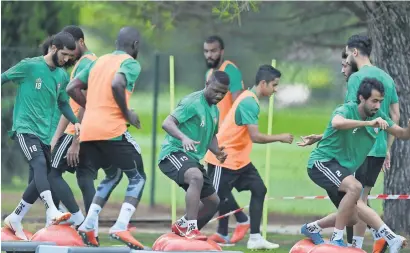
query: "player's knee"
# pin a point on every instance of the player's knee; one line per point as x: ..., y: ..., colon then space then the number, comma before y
x: 136, y: 186
x: 194, y: 177
x: 85, y: 182
x: 259, y: 189
x: 54, y: 174
x: 354, y: 188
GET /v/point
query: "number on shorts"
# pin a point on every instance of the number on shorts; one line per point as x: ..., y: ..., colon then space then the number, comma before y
x: 33, y: 148
x: 184, y: 158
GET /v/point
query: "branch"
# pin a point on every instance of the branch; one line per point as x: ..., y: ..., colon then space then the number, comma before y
x: 354, y: 8
x: 359, y: 24
x: 321, y: 44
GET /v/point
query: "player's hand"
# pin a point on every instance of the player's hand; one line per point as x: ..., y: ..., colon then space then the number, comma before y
x: 308, y: 140
x: 73, y: 157
x: 221, y: 155
x: 286, y: 138
x: 189, y: 145
x: 380, y: 123
x: 77, y: 127
x: 386, y: 163
x: 134, y: 119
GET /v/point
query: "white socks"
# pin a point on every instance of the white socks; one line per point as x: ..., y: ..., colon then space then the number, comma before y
x: 91, y: 219
x: 313, y: 227
x: 183, y: 223
x: 20, y: 211
x: 127, y: 210
x: 47, y: 199
x: 257, y: 236
x: 192, y: 225
x: 337, y: 234
x: 376, y: 235
x: 357, y: 242
x: 77, y: 218
x: 387, y: 234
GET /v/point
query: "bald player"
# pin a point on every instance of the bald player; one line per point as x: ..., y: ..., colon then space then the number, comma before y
x: 104, y: 137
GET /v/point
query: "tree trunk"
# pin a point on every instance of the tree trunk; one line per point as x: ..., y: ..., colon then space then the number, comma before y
x: 389, y: 28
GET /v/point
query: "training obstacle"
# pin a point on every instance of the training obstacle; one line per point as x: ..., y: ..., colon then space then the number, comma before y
x: 8, y: 235
x: 62, y: 235
x: 307, y: 246
x: 173, y: 242
x: 22, y: 246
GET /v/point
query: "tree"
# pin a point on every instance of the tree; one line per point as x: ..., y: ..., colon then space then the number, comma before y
x: 388, y: 24
x: 389, y: 28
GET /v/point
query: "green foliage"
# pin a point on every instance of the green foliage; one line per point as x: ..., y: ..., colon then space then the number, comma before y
x: 231, y: 10
x: 313, y: 76
x: 29, y: 23
x: 152, y: 22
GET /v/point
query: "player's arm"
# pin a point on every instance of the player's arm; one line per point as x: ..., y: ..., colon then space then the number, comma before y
x: 118, y: 91
x: 258, y: 137
x: 66, y: 110
x: 394, y: 111
x: 235, y: 81
x: 124, y: 81
x: 78, y: 84
x: 16, y: 72
x: 339, y: 122
x: 399, y: 132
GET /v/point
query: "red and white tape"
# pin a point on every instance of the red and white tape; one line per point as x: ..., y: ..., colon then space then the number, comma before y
x: 379, y: 196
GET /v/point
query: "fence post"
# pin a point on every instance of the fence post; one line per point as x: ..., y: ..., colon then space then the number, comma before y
x: 154, y: 128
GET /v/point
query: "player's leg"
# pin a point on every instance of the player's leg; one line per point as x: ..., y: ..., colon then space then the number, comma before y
x: 367, y: 175
x: 334, y: 178
x: 221, y: 182
x: 186, y: 173
x: 370, y: 217
x: 209, y: 199
x: 126, y: 155
x: 37, y: 157
x: 113, y: 176
x: 58, y: 184
x: 251, y: 180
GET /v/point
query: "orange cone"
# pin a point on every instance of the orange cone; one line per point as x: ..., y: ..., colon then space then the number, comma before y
x: 8, y: 235
x: 62, y: 235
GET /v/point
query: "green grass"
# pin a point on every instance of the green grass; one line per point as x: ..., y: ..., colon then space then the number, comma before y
x: 288, y: 176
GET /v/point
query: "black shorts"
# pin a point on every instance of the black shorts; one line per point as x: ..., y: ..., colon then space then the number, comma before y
x: 32, y: 146
x: 124, y: 154
x: 329, y: 175
x: 244, y: 179
x: 369, y: 171
x: 59, y: 159
x: 176, y: 164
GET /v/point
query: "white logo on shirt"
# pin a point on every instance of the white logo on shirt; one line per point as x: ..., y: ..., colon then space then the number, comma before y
x: 203, y: 122
x: 38, y: 83
x: 338, y: 173
x: 354, y: 130
x: 376, y: 129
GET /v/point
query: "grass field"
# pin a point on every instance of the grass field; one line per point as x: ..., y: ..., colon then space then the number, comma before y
x: 288, y: 175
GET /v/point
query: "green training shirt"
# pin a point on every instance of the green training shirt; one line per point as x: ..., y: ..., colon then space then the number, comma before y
x: 349, y: 147
x: 198, y: 120
x: 390, y: 97
x: 247, y: 112
x: 39, y: 90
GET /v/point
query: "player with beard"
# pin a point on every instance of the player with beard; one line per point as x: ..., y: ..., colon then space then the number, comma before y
x: 66, y: 154
x: 110, y: 81
x: 349, y: 137
x: 214, y: 56
x: 42, y: 83
x: 358, y: 49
